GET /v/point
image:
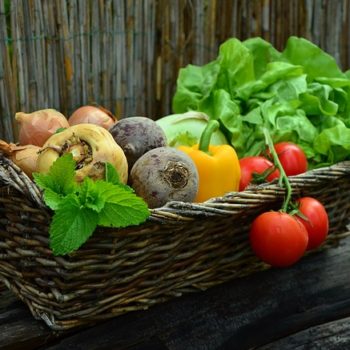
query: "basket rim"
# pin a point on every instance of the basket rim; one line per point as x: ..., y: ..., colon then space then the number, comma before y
x: 173, y: 211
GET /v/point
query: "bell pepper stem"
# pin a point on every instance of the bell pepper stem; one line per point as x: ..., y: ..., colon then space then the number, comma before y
x: 283, y: 177
x: 206, y: 135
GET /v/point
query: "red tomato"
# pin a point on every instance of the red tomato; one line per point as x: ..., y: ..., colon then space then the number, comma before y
x: 317, y: 224
x: 292, y: 158
x: 278, y: 239
x: 251, y: 165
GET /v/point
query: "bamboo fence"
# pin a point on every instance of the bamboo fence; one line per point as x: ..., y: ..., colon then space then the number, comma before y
x: 126, y: 54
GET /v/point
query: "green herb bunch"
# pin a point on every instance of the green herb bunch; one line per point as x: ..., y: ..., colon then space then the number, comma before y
x: 80, y: 207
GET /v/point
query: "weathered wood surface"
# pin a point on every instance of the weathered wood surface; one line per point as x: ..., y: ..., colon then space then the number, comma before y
x: 305, y: 306
x: 126, y: 54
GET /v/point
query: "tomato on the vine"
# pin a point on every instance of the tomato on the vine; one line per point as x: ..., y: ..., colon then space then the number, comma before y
x: 292, y: 158
x: 256, y: 165
x: 317, y: 223
x: 278, y: 238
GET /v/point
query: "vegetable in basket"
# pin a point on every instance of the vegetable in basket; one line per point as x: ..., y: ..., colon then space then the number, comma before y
x: 256, y: 170
x: 91, y: 146
x: 281, y: 238
x: 259, y: 169
x: 300, y: 91
x: 23, y: 156
x: 164, y: 174
x: 92, y: 115
x: 136, y: 136
x: 35, y: 128
x: 218, y: 165
x: 185, y: 129
x: 292, y: 158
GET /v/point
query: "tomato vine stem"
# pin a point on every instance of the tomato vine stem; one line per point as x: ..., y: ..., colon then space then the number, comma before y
x: 283, y: 179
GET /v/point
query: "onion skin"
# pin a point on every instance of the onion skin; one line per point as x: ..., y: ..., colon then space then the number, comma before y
x: 23, y: 156
x: 101, y: 145
x: 92, y: 115
x: 35, y: 128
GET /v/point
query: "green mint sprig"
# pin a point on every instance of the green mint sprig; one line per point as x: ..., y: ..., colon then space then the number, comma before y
x: 80, y: 207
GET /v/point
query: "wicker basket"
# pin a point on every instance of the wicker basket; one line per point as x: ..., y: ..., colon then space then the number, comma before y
x: 183, y: 248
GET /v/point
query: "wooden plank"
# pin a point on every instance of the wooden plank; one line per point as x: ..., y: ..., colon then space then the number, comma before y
x: 18, y: 329
x: 18, y: 51
x: 65, y: 56
x: 76, y: 52
x: 119, y: 54
x: 138, y: 82
x: 331, y: 335
x: 83, y: 58
x: 95, y: 57
x: 30, y: 63
x: 7, y: 131
x: 150, y: 59
x: 108, y: 60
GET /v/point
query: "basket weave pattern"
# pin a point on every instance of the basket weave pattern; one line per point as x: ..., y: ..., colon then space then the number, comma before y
x: 182, y: 248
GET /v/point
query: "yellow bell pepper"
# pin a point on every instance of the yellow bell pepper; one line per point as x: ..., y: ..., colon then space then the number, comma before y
x: 218, y: 165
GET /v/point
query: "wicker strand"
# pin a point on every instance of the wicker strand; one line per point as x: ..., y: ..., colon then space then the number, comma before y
x: 12, y: 175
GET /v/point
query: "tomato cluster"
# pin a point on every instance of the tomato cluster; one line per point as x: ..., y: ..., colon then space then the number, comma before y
x: 280, y: 238
x: 257, y: 169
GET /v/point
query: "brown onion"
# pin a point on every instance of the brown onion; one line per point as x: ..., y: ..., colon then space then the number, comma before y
x: 37, y: 127
x: 24, y: 156
x: 92, y: 115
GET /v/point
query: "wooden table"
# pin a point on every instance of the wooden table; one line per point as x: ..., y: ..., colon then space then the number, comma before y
x: 304, y: 307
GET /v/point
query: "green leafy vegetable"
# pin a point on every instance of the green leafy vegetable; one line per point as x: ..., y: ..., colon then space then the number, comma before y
x: 299, y: 95
x: 71, y: 225
x: 111, y: 174
x: 80, y: 208
x: 59, y: 182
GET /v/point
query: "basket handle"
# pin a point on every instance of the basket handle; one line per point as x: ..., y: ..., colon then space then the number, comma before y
x: 12, y: 175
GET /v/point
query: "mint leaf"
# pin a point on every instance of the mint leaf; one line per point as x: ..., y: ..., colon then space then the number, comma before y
x: 122, y: 207
x: 61, y: 176
x: 90, y: 195
x: 80, y: 207
x: 111, y: 174
x: 71, y: 225
x: 52, y: 199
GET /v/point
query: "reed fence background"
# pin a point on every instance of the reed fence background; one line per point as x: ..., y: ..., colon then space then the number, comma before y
x: 125, y: 54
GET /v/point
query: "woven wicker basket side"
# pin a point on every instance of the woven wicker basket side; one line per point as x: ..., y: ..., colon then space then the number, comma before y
x: 184, y: 247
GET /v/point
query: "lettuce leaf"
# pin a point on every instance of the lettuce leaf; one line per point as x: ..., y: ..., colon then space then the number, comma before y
x: 299, y: 94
